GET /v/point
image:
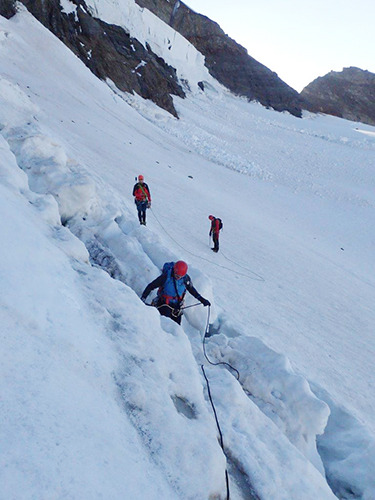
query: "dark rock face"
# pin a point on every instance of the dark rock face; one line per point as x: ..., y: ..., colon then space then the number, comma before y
x: 226, y: 60
x: 7, y: 8
x: 110, y: 52
x: 347, y: 94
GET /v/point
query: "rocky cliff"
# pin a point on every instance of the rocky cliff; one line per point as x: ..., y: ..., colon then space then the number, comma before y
x: 107, y: 50
x: 226, y: 60
x: 7, y: 8
x: 348, y: 94
x: 111, y: 53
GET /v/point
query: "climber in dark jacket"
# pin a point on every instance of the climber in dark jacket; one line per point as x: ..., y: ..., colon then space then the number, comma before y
x: 172, y: 284
x: 142, y: 199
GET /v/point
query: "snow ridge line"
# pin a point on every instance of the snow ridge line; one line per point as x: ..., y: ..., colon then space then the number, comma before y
x: 19, y: 141
x: 44, y: 163
x: 48, y: 169
x: 251, y: 275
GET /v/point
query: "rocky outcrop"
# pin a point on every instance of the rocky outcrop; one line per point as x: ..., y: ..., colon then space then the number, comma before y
x: 110, y: 52
x: 226, y: 60
x: 348, y: 94
x: 7, y: 8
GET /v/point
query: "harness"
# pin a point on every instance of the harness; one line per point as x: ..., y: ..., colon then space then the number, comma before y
x: 170, y: 285
x: 143, y: 191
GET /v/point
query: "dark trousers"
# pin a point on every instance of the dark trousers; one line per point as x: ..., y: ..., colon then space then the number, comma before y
x: 170, y: 312
x: 141, y: 207
x: 215, y: 238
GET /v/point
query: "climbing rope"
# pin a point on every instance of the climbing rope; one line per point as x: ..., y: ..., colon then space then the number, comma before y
x: 243, y: 267
x: 192, y: 305
x: 255, y: 276
x: 204, y: 349
x: 175, y: 312
x: 221, y: 441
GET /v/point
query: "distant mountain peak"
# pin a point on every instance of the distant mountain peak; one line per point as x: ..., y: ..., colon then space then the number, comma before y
x: 226, y: 60
x: 348, y: 94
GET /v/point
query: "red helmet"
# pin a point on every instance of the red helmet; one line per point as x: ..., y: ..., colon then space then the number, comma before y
x: 140, y: 177
x: 211, y: 217
x: 180, y: 269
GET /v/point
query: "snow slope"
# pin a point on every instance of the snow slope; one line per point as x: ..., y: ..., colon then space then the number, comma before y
x: 102, y: 398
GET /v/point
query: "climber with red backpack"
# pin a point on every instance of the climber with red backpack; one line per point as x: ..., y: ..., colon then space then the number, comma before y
x: 142, y: 198
x: 216, y: 226
x: 172, y: 283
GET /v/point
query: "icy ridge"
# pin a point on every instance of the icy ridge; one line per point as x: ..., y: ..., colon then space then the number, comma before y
x: 46, y: 165
x: 147, y: 28
x: 95, y: 220
x: 145, y: 385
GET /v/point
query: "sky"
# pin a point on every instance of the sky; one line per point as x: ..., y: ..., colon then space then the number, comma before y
x: 299, y: 40
x: 106, y: 396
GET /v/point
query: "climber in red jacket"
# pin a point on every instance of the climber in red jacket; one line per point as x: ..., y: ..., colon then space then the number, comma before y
x: 216, y: 225
x: 142, y: 198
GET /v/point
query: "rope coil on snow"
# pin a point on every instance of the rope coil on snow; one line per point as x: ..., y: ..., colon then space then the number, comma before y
x: 256, y: 278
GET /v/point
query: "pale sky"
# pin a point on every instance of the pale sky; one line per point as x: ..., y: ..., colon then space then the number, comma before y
x: 299, y: 39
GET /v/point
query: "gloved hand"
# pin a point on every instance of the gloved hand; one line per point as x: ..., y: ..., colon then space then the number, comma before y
x: 149, y: 204
x: 205, y: 302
